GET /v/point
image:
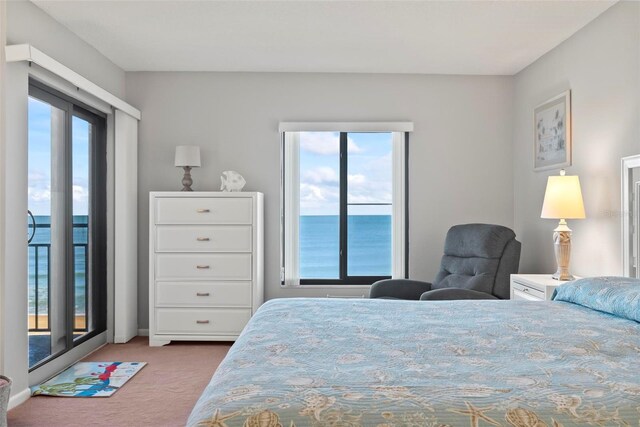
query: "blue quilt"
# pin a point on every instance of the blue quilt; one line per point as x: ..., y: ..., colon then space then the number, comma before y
x: 327, y: 362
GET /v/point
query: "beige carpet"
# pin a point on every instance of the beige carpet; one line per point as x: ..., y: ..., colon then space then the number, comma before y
x: 162, y: 394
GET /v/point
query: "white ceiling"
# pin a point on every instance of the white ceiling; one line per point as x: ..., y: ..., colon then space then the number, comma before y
x: 434, y: 37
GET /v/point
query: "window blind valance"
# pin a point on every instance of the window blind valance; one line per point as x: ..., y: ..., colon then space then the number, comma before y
x: 26, y: 52
x: 346, y: 127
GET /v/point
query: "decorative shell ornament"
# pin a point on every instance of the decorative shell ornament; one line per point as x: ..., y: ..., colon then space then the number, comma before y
x: 232, y: 181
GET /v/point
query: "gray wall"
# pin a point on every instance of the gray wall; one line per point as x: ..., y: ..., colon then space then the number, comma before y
x: 600, y: 64
x: 26, y: 23
x: 460, y: 153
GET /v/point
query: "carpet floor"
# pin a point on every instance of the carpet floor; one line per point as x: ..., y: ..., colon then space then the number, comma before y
x: 161, y: 394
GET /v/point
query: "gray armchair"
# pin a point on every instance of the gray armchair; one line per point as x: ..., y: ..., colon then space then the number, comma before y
x: 477, y: 262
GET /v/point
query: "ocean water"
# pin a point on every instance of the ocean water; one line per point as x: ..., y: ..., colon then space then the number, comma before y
x: 368, y: 243
x: 42, y: 240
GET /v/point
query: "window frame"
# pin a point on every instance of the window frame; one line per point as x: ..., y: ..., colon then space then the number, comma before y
x: 97, y: 244
x: 400, y: 204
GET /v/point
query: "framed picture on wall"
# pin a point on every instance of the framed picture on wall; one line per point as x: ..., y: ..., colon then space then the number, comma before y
x: 552, y: 133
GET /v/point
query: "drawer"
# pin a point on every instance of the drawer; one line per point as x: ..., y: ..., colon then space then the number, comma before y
x: 201, y: 321
x: 204, y: 210
x: 522, y: 291
x: 223, y: 294
x: 203, y: 266
x: 203, y: 238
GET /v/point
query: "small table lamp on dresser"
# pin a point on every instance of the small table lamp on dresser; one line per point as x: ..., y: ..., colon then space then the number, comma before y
x: 187, y: 157
x: 563, y: 200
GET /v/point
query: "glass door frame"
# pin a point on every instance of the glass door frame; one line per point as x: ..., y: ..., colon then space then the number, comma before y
x: 96, y: 317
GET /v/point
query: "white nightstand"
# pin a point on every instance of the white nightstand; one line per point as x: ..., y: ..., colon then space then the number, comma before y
x: 533, y: 287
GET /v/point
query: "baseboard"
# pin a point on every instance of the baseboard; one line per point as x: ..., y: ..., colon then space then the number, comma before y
x: 143, y: 332
x: 19, y: 398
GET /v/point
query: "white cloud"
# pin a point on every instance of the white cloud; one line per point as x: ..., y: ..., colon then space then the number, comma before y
x: 364, y: 190
x: 352, y: 147
x: 319, y: 198
x: 39, y: 198
x: 39, y: 194
x: 368, y: 182
x: 356, y: 180
x: 319, y: 175
x: 317, y: 193
x: 325, y: 143
x: 320, y: 192
x: 80, y: 194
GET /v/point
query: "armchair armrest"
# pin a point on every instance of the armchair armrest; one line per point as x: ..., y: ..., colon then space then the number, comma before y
x: 454, y: 294
x: 399, y: 288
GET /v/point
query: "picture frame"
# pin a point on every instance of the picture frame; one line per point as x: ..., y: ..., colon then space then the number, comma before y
x: 552, y: 143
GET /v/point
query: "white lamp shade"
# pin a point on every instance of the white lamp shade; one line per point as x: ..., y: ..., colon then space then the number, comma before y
x: 563, y: 198
x: 188, y: 155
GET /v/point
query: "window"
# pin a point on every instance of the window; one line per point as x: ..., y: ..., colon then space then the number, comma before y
x: 67, y: 223
x: 344, y: 206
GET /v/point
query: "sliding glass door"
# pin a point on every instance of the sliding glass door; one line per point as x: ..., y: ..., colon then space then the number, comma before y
x: 67, y: 223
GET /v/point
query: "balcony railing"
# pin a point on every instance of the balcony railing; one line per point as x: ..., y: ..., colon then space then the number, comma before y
x: 40, y: 258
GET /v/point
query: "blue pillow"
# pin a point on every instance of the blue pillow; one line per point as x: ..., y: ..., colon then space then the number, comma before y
x: 619, y: 296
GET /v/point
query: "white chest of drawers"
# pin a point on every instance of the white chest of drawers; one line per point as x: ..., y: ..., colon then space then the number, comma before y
x: 205, y: 264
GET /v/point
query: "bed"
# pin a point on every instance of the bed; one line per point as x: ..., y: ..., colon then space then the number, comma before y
x: 327, y: 362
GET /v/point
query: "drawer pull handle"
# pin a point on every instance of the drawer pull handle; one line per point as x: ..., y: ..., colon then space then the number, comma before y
x: 202, y: 322
x: 203, y: 210
x: 203, y: 239
x: 202, y: 267
x: 202, y: 294
x: 526, y: 289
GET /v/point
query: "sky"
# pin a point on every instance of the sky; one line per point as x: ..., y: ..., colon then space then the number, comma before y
x: 369, y: 173
x: 40, y: 151
x: 369, y: 168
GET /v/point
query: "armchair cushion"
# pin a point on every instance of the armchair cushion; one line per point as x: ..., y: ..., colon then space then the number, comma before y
x: 466, y: 273
x: 477, y: 240
x: 454, y: 294
x: 399, y: 289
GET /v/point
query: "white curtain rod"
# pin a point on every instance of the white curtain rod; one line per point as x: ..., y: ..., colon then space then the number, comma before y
x: 26, y: 52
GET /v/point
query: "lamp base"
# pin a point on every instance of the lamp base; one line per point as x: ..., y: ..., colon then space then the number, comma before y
x: 562, y: 249
x: 186, y: 179
x: 563, y: 277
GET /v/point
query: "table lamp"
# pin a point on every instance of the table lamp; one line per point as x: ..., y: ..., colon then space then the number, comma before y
x: 563, y: 200
x: 187, y: 157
